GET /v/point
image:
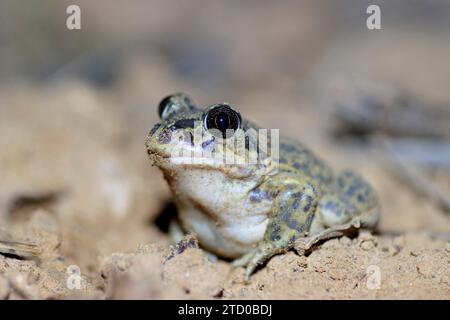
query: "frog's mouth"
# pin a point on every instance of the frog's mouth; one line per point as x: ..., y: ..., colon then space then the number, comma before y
x: 158, y: 159
x: 164, y: 160
x: 170, y: 154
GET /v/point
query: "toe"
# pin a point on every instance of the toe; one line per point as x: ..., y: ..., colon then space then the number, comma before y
x: 243, y: 261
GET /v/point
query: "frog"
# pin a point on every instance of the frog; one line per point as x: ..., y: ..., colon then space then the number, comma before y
x: 249, y: 211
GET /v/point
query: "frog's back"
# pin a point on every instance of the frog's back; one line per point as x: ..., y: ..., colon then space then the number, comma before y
x: 298, y: 160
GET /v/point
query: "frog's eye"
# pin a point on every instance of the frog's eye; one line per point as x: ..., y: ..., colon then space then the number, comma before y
x: 173, y: 104
x: 163, y: 105
x: 222, y: 117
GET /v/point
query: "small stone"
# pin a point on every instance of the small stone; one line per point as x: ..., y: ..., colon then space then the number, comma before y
x: 447, y: 247
x: 367, y: 245
x: 366, y: 240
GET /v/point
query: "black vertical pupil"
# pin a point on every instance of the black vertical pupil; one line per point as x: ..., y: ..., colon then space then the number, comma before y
x: 222, y: 121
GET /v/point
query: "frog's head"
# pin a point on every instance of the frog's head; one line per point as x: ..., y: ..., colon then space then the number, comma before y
x: 216, y: 138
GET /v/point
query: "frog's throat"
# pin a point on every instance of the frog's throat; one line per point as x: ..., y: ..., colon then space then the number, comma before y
x: 169, y: 168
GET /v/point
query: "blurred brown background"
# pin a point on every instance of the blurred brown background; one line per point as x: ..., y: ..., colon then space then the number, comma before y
x: 75, y: 107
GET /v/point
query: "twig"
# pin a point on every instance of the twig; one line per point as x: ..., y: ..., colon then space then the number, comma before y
x: 21, y: 249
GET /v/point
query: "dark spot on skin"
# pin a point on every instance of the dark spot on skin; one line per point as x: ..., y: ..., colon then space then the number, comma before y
x: 292, y: 224
x: 333, y: 207
x: 313, y: 188
x: 290, y: 186
x: 164, y: 136
x: 275, y: 232
x: 308, y: 205
x: 275, y: 237
x: 361, y: 198
x: 304, y: 226
x: 292, y: 239
x: 283, y: 207
x: 297, y: 165
x: 154, y: 129
x: 356, y: 185
x: 298, y: 198
x: 286, y: 216
x: 257, y: 195
x: 285, y: 213
x: 208, y: 142
x: 351, y: 190
x: 184, y: 124
x: 296, y: 204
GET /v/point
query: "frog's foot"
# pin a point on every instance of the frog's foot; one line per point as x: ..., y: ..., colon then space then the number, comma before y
x: 304, y: 244
x: 256, y: 257
x: 242, y: 261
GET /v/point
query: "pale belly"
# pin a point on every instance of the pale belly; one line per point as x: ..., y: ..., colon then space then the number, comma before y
x: 220, y: 213
x: 229, y: 240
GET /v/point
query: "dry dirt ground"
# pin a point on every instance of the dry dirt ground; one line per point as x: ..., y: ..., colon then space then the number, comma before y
x: 75, y: 178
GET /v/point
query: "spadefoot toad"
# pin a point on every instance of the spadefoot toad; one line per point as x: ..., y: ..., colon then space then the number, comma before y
x: 251, y: 210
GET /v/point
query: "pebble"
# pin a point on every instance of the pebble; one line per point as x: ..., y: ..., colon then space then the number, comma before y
x: 367, y: 245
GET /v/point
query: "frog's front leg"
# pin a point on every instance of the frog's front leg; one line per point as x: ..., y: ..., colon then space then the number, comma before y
x: 292, y: 212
